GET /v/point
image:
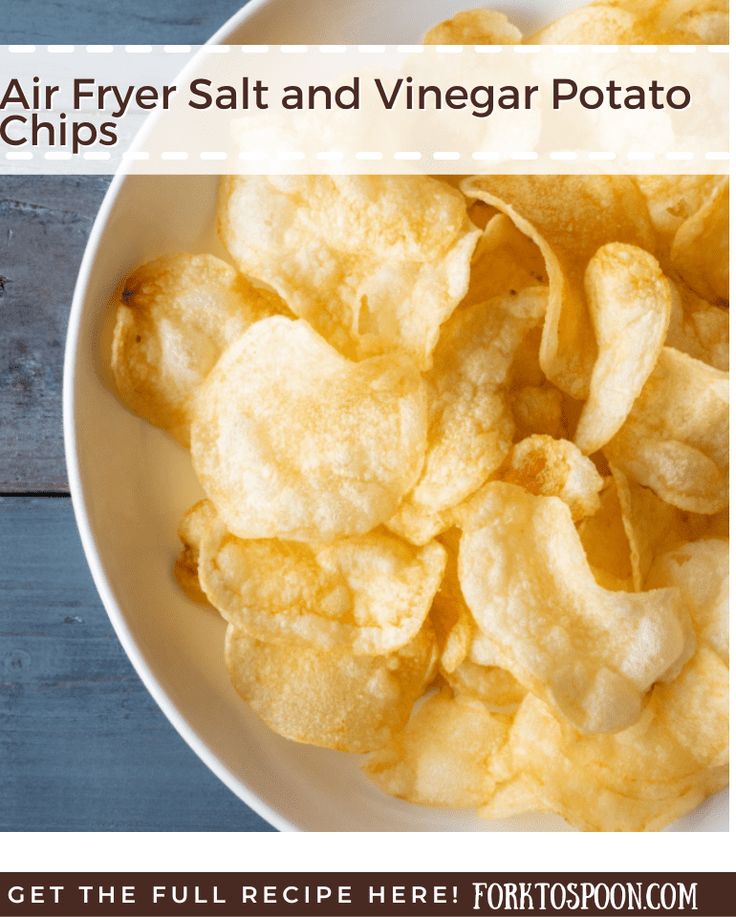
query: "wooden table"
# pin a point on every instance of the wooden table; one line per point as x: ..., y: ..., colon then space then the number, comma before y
x: 82, y: 745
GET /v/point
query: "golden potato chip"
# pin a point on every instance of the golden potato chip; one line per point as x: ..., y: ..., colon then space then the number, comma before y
x: 333, y: 699
x: 474, y: 27
x: 519, y: 795
x: 629, y: 304
x: 596, y: 24
x: 695, y: 708
x: 675, y: 21
x: 194, y: 525
x: 591, y: 652
x: 505, y: 262
x: 675, y: 440
x: 480, y: 214
x: 715, y: 526
x: 471, y: 426
x: 373, y: 262
x: 707, y: 26
x: 569, y: 217
x: 450, y: 616
x: 698, y: 327
x: 671, y: 199
x: 370, y: 593
x: 651, y: 22
x: 640, y: 779
x: 174, y: 318
x: 535, y: 403
x: 700, y: 248
x: 291, y: 440
x: 441, y: 757
x: 651, y: 525
x: 457, y: 634
x: 419, y: 525
x: 484, y: 650
x: 482, y: 673
x: 493, y: 686
x: 607, y: 542
x: 555, y: 468
x: 699, y: 569
x: 668, y: 745
x: 537, y: 409
x: 525, y: 368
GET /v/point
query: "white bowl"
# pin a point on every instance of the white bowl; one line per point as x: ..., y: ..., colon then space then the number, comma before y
x: 130, y: 482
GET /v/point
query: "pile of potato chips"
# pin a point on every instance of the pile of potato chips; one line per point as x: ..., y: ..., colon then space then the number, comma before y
x: 465, y: 455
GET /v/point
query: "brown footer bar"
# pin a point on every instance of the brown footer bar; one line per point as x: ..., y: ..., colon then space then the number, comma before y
x: 366, y: 894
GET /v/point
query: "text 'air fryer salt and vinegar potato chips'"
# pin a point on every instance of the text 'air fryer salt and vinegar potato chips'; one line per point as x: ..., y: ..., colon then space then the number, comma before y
x: 464, y: 450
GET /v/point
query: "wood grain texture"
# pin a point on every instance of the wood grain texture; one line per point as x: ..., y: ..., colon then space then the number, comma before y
x: 82, y: 745
x: 122, y: 22
x: 44, y: 224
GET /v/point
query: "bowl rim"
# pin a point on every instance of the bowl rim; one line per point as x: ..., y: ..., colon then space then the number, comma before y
x: 238, y: 785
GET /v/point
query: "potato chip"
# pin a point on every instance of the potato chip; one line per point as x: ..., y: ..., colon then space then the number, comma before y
x: 474, y: 27
x: 536, y: 403
x: 698, y: 328
x: 651, y: 525
x: 671, y: 199
x: 639, y: 779
x: 471, y: 426
x: 442, y: 755
x: 591, y: 652
x: 505, y: 262
x: 484, y: 650
x: 707, y: 26
x: 370, y: 593
x: 695, y: 708
x: 457, y: 634
x: 450, y: 616
x: 525, y: 368
x: 519, y: 795
x: 715, y: 526
x: 675, y: 21
x: 492, y: 685
x: 374, y: 263
x: 555, y: 467
x: 480, y: 214
x: 420, y: 525
x: 174, y: 318
x: 675, y: 440
x: 291, y: 440
x: 625, y: 22
x: 699, y: 569
x: 629, y: 305
x: 194, y: 526
x: 569, y: 217
x: 333, y: 699
x: 700, y: 248
x: 606, y: 542
x: 537, y: 409
x: 596, y: 24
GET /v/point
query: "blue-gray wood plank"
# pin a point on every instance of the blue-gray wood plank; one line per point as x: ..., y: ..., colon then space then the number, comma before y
x: 86, y: 22
x: 82, y: 745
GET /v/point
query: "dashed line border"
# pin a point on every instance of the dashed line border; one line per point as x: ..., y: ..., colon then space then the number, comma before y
x: 369, y: 49
x: 376, y: 156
